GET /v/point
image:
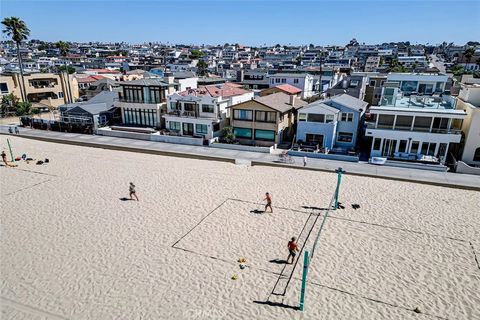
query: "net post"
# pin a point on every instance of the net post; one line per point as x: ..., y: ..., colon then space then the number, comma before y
x: 10, y: 148
x: 339, y: 172
x: 304, y: 281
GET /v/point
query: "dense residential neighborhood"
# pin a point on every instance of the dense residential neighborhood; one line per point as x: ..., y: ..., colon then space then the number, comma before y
x: 396, y: 101
x: 293, y: 159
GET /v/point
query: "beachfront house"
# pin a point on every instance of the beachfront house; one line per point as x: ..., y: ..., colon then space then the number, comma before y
x: 265, y: 121
x: 302, y: 81
x: 332, y: 124
x: 144, y: 101
x: 410, y: 126
x: 203, y: 112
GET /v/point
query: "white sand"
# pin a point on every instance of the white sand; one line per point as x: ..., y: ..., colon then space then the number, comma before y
x: 71, y: 249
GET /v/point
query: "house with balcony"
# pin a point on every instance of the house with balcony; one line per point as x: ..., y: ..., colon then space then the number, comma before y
x: 332, y: 124
x: 202, y: 112
x: 302, y: 81
x: 417, y: 83
x: 43, y: 89
x: 469, y: 100
x: 143, y: 102
x: 265, y: 121
x: 414, y: 127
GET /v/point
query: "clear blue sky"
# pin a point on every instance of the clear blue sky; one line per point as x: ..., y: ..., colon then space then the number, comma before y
x: 250, y: 22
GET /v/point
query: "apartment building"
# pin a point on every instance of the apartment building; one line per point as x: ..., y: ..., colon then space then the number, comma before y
x: 469, y: 101
x: 414, y: 127
x: 203, y: 112
x: 45, y: 89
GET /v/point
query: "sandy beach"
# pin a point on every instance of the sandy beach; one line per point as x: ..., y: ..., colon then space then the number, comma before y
x: 73, y: 248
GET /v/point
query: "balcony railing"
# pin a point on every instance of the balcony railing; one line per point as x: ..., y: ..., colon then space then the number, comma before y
x: 371, y: 125
x: 192, y: 114
x: 151, y: 101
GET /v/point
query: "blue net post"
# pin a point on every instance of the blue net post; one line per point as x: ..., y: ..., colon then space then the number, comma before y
x: 304, y: 281
x: 339, y: 172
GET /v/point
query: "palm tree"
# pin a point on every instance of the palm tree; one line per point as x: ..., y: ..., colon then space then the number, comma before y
x: 468, y: 54
x: 18, y: 31
x: 64, y: 48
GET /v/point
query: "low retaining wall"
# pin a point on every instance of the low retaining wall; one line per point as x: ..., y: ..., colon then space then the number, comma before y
x: 462, y: 167
x: 413, y: 165
x: 150, y: 137
x: 177, y: 139
x: 241, y: 147
x: 123, y: 134
x: 326, y: 156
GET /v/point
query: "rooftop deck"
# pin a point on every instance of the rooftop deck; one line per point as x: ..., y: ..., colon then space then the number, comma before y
x: 419, y: 102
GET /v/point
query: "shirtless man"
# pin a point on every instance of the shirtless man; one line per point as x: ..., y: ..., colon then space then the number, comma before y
x: 132, y: 191
x: 4, y: 158
x: 268, y: 198
x: 292, y: 249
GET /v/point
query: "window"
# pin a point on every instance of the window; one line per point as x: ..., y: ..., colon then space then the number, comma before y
x: 402, y: 147
x: 429, y: 148
x: 188, y: 129
x: 189, y: 106
x: 345, y: 137
x: 273, y: 81
x: 314, y: 139
x: 60, y: 94
x: 242, y: 133
x: 3, y: 87
x: 385, y: 121
x: 422, y: 124
x: 312, y: 117
x: 265, y: 116
x: 201, y: 128
x: 329, y: 118
x: 377, y: 143
x: 174, y: 125
x: 266, y: 135
x: 207, y: 108
x: 277, y: 80
x: 295, y: 81
x: 372, y: 83
x: 476, y: 155
x: 174, y: 106
x: 346, y: 116
x: 440, y: 125
x: 284, y: 80
x: 245, y: 115
x: 414, y: 148
x: 409, y: 86
x: 302, y: 117
x: 403, y: 123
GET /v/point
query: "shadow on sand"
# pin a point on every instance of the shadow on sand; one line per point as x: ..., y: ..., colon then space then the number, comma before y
x: 276, y: 304
x: 313, y: 208
x: 125, y: 199
x: 278, y: 261
x: 257, y: 211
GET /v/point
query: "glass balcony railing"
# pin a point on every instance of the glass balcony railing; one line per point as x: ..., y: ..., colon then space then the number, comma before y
x: 151, y: 101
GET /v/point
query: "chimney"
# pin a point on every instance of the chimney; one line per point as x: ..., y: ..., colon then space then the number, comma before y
x: 292, y: 100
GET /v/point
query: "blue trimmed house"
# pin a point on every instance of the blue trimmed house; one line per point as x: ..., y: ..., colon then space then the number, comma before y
x: 332, y: 123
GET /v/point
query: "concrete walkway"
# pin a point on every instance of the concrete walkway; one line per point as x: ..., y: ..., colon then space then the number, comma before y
x: 456, y: 180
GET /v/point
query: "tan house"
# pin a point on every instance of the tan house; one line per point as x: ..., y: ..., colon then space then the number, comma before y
x: 45, y: 89
x: 265, y: 121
